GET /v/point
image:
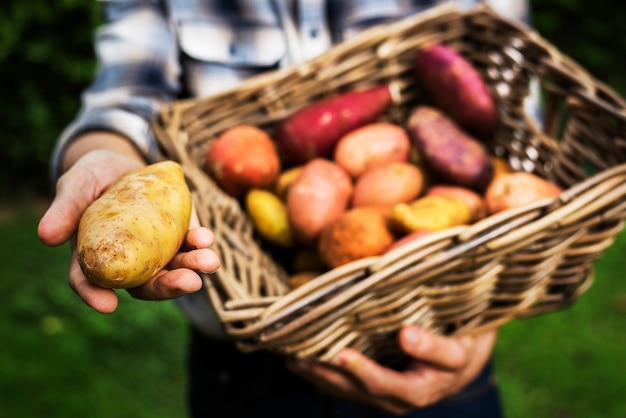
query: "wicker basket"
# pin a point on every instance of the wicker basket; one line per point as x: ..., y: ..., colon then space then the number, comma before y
x: 531, y: 260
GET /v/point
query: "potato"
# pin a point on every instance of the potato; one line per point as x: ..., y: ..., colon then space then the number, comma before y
x: 370, y: 146
x: 515, y: 189
x: 241, y: 158
x: 316, y: 198
x: 357, y: 233
x: 135, y: 227
x: 448, y: 153
x: 477, y: 205
x: 456, y: 87
x: 500, y: 166
x: 432, y: 213
x: 269, y: 216
x: 302, y: 277
x: 386, y: 185
x: 313, y: 130
x: 284, y: 181
x: 412, y: 236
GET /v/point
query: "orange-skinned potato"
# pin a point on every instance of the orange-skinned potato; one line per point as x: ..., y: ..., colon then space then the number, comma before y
x: 135, y: 227
x: 511, y: 190
x: 370, y: 146
x: 317, y: 197
x: 241, y: 158
x: 357, y: 233
x: 457, y: 87
x: 387, y: 185
x: 450, y: 154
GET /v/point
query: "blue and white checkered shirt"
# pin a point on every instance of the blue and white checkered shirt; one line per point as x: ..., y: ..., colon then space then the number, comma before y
x: 151, y: 52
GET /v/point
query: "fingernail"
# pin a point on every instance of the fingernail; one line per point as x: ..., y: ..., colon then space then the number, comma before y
x: 410, y: 335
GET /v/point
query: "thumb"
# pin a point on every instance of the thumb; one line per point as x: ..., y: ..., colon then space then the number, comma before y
x: 60, y: 221
x: 437, y: 350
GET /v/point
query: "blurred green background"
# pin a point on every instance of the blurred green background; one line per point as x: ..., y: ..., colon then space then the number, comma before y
x: 60, y: 359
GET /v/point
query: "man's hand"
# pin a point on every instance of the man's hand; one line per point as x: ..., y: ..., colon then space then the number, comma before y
x: 77, y: 188
x: 439, y: 367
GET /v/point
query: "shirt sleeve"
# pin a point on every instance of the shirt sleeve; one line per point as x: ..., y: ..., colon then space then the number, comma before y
x: 137, y: 72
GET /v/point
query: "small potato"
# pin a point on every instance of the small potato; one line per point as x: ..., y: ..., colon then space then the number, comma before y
x: 475, y: 201
x: 449, y: 153
x: 511, y: 190
x: 269, y: 216
x: 432, y: 213
x: 386, y: 185
x: 302, y: 277
x: 135, y: 227
x: 284, y: 181
x: 412, y: 236
x: 241, y: 158
x: 317, y: 197
x: 370, y: 146
x: 357, y: 233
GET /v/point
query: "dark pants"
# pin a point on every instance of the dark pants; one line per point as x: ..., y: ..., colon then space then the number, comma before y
x: 226, y: 383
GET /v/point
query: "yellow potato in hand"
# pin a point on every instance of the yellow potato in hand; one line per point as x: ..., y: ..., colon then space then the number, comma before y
x: 135, y: 227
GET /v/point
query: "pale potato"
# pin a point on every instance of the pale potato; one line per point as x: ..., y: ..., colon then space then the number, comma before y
x: 135, y: 227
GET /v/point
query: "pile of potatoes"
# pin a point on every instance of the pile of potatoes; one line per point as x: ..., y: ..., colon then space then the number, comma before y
x: 335, y: 182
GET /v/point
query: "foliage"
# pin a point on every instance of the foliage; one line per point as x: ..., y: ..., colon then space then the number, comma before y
x: 46, y: 59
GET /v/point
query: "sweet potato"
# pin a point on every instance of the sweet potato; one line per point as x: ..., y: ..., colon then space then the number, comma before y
x: 386, y: 185
x: 449, y: 153
x: 475, y: 201
x: 357, y: 233
x: 317, y: 197
x: 313, y: 130
x: 432, y: 213
x: 510, y: 190
x: 456, y: 86
x: 241, y: 158
x: 370, y: 146
x: 135, y: 227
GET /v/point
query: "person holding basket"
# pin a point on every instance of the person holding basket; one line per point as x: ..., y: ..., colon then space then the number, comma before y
x: 151, y: 52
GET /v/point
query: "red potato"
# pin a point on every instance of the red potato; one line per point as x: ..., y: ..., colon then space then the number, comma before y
x: 478, y: 207
x: 314, y: 130
x: 370, y: 146
x: 511, y: 190
x: 449, y: 154
x: 317, y: 197
x: 241, y: 158
x: 386, y: 185
x: 457, y: 87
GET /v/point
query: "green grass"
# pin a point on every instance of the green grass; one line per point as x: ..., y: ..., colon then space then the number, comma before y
x: 60, y: 359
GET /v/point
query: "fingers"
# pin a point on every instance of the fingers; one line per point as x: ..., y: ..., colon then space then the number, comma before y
x: 440, y: 351
x: 100, y: 299
x: 338, y: 382
x: 76, y: 189
x: 168, y: 285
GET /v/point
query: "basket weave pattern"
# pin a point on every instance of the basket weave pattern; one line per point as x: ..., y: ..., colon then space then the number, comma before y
x: 534, y: 259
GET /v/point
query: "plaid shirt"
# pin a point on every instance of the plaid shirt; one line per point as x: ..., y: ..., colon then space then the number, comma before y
x: 151, y: 52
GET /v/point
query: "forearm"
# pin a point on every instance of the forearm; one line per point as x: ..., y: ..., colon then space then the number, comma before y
x: 98, y: 140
